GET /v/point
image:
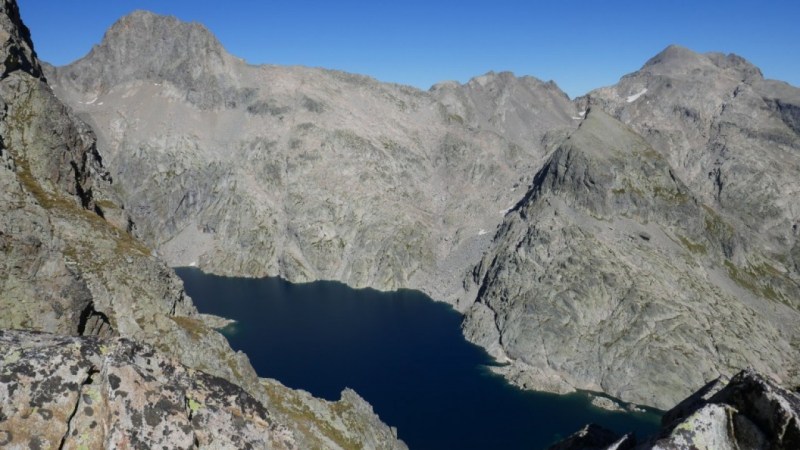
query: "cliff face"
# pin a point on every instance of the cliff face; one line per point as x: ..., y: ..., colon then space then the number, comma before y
x: 732, y: 136
x: 70, y: 266
x: 306, y: 173
x: 648, y: 255
x: 610, y: 276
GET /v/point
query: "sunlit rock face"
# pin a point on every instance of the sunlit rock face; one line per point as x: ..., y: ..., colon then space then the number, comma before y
x: 307, y: 173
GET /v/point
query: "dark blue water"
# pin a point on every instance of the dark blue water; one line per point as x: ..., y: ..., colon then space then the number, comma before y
x: 402, y: 352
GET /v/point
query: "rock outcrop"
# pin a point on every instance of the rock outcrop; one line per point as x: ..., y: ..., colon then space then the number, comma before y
x: 609, y: 275
x: 732, y: 136
x: 751, y: 412
x: 87, y: 392
x: 69, y: 266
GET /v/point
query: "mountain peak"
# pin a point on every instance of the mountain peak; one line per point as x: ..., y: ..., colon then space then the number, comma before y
x: 144, y: 46
x: 143, y: 39
x: 676, y: 59
x: 146, y: 26
x: 16, y: 47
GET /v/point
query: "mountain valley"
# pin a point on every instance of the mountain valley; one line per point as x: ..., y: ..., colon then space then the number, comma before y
x: 640, y: 241
x: 653, y: 218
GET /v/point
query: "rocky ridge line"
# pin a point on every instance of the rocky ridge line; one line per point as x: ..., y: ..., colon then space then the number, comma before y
x: 394, y: 202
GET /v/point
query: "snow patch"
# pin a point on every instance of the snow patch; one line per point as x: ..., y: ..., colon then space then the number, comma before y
x: 482, y: 232
x: 193, y: 264
x: 576, y: 118
x: 634, y: 97
x: 582, y: 113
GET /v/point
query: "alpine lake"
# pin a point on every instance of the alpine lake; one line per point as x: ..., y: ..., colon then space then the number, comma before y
x: 402, y: 352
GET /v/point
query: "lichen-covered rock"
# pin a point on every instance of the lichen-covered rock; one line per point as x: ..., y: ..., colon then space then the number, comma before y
x: 750, y: 412
x: 86, y: 392
x: 348, y: 423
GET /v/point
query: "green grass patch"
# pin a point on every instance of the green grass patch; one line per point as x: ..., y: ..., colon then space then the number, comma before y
x: 195, y: 327
x: 757, y: 279
x: 698, y: 249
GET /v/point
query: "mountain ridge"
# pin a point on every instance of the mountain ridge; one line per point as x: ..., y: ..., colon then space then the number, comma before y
x: 607, y: 214
x: 326, y: 175
x: 306, y: 108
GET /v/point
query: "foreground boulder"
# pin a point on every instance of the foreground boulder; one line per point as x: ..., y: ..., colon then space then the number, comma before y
x: 85, y: 392
x: 750, y: 412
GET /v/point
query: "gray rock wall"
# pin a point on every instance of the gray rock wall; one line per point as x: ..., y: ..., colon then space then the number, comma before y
x: 319, y: 174
x: 607, y: 277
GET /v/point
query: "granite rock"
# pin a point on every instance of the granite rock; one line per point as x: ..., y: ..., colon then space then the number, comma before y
x: 314, y: 174
x: 610, y: 275
x: 748, y: 412
x: 637, y: 260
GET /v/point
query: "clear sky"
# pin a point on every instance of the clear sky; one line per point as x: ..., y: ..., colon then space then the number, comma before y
x: 581, y: 44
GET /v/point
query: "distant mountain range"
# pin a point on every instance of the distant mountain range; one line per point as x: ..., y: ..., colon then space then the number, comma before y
x: 640, y: 240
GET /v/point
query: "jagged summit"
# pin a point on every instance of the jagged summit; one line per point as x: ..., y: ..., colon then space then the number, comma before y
x: 153, y: 37
x: 16, y: 46
x: 152, y: 47
x: 492, y: 79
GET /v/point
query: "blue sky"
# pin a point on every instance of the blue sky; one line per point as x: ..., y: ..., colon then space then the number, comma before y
x: 579, y: 44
